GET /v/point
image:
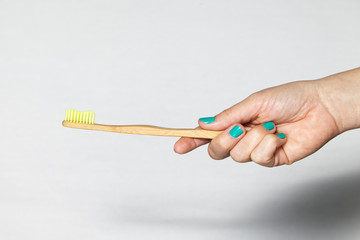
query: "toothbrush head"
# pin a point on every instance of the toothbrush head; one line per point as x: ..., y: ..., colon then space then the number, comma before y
x: 85, y: 117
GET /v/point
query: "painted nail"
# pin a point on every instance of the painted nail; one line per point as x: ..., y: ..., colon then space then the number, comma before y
x: 207, y: 120
x: 269, y: 125
x: 236, y: 131
x: 281, y: 135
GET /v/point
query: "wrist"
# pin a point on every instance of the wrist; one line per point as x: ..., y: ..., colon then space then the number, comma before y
x: 340, y: 94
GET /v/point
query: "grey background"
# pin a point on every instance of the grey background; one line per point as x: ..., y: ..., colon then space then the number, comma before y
x: 165, y: 63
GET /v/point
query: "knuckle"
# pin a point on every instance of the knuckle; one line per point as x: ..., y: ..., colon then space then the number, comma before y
x: 212, y: 154
x: 226, y: 112
x: 262, y: 159
x: 218, y: 148
x: 258, y: 132
x: 272, y: 138
x: 281, y: 158
x: 253, y: 96
x: 222, y: 145
x: 237, y: 156
x: 290, y: 162
x: 255, y: 157
x: 269, y: 165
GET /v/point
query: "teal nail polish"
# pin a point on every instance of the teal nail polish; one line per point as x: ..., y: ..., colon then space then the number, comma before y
x: 281, y: 135
x: 207, y: 120
x: 236, y: 131
x: 269, y: 125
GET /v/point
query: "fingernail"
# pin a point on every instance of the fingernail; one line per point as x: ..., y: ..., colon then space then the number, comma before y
x: 281, y: 135
x: 207, y: 120
x: 269, y: 125
x: 236, y: 131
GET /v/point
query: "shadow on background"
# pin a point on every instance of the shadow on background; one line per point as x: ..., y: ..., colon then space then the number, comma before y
x: 328, y: 209
x: 322, y: 204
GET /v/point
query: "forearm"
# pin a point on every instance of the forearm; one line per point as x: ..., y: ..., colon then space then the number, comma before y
x: 340, y: 93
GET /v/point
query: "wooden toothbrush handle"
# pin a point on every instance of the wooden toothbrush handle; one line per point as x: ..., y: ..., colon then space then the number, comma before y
x: 146, y: 130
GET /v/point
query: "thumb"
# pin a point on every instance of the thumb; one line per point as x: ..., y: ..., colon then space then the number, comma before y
x: 242, y: 112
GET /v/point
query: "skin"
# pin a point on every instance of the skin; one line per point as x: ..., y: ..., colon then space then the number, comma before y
x: 309, y: 113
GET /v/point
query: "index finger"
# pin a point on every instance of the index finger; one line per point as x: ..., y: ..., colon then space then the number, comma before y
x: 185, y: 145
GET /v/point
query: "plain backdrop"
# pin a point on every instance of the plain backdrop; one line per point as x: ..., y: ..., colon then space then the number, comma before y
x: 165, y: 63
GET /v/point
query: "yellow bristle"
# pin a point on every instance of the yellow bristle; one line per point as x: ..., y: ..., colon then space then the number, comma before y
x: 81, y: 117
x: 92, y: 117
x: 66, y: 115
x: 86, y: 117
x: 72, y: 115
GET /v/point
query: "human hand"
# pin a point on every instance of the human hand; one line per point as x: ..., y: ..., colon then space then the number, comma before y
x: 302, y: 111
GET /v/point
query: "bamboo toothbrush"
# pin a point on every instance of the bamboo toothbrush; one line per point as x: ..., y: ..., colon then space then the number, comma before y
x: 86, y: 120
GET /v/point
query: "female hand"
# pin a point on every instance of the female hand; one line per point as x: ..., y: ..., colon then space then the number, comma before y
x: 283, y: 124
